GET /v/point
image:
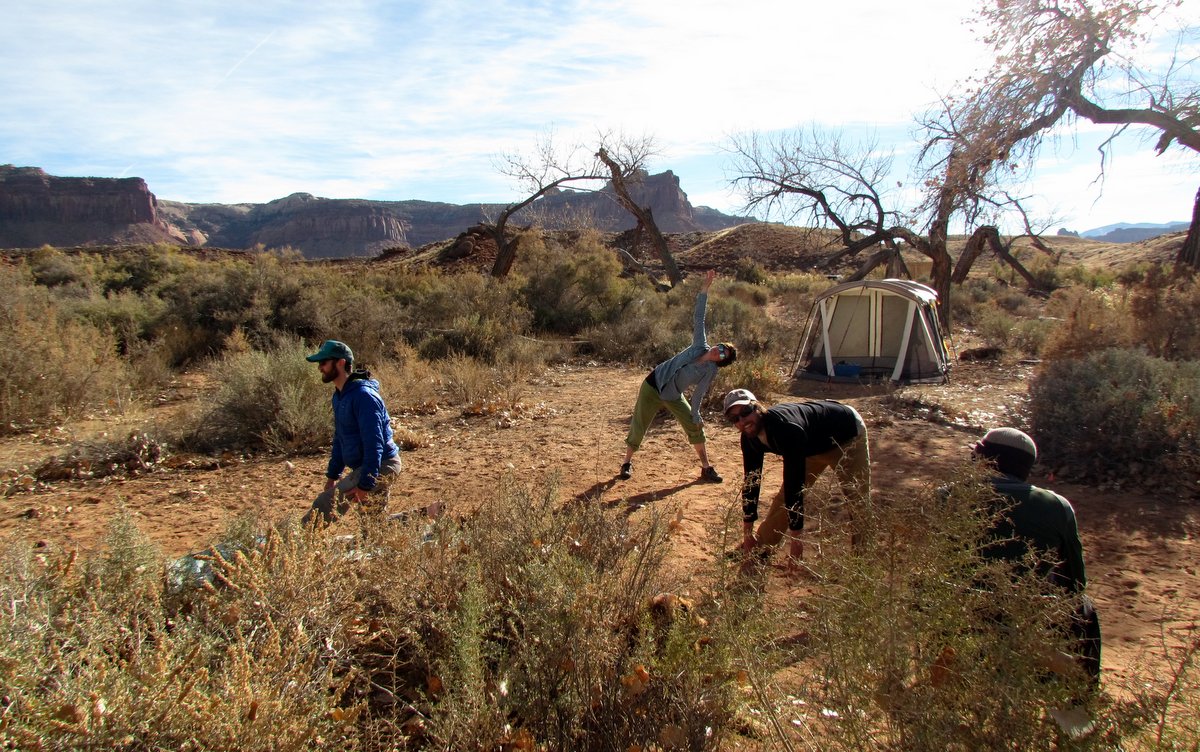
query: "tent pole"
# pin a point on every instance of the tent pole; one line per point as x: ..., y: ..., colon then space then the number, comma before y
x: 903, y: 359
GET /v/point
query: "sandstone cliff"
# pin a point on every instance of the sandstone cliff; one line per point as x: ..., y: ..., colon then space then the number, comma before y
x: 36, y: 209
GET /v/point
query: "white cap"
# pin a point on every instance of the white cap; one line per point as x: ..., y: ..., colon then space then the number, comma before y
x: 739, y: 397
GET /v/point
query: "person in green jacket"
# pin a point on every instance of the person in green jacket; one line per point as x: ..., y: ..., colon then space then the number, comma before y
x: 1036, y: 520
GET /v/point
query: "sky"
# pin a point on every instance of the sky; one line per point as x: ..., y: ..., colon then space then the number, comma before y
x: 214, y: 101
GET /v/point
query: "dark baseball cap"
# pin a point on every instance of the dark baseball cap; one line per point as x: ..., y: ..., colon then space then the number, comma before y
x: 332, y: 350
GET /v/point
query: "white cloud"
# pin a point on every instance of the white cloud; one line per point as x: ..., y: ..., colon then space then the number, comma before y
x: 229, y: 102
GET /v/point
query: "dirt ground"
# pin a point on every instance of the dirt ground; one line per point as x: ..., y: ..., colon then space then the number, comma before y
x: 1140, y: 549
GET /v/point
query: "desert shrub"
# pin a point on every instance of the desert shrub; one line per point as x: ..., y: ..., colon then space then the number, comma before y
x: 916, y: 642
x: 1111, y: 412
x: 266, y: 400
x: 467, y: 314
x: 1047, y: 273
x: 59, y: 366
x: 1168, y: 703
x: 407, y: 382
x: 270, y: 297
x: 130, y: 316
x: 143, y: 269
x: 645, y: 332
x: 972, y: 298
x: 544, y: 637
x: 94, y: 658
x: 1089, y: 320
x: 466, y: 380
x: 796, y: 292
x: 53, y: 268
x: 369, y: 322
x: 748, y: 326
x: 572, y: 289
x: 751, y: 272
x: 1016, y: 302
x: 761, y: 374
x: 1090, y: 277
x: 197, y: 305
x: 994, y: 326
x: 1030, y: 335
x: 1163, y: 308
x: 527, y: 625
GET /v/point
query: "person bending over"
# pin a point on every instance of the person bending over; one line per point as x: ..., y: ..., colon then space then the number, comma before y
x: 810, y: 437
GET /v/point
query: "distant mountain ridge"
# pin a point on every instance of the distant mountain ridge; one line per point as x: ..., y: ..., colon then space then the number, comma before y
x: 37, y: 208
x: 1132, y: 232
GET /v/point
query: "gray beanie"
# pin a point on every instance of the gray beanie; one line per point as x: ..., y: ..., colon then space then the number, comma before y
x: 1013, y: 451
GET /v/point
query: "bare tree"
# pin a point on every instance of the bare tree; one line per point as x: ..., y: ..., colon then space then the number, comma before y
x: 622, y: 171
x: 544, y: 172
x: 1057, y: 60
x: 813, y: 178
x: 617, y: 162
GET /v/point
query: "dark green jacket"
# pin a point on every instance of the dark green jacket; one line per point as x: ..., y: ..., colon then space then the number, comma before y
x: 1040, y: 520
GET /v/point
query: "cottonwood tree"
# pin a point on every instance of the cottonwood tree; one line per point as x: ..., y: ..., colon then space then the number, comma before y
x: 545, y: 171
x: 1058, y: 61
x: 621, y: 178
x: 616, y: 161
x: 814, y: 178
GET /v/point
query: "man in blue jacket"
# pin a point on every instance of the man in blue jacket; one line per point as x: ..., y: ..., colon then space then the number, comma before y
x: 362, y: 437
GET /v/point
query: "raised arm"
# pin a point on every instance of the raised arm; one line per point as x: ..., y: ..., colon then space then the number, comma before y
x: 699, y: 337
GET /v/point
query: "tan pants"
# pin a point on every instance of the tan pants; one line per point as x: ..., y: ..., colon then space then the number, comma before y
x: 851, y: 464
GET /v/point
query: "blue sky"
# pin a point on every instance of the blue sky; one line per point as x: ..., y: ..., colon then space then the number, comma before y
x: 217, y: 101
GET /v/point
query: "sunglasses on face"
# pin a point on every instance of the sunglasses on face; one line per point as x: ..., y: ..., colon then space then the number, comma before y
x: 738, y: 415
x: 722, y: 351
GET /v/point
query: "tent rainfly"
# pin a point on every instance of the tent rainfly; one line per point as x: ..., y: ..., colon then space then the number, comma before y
x: 874, y: 329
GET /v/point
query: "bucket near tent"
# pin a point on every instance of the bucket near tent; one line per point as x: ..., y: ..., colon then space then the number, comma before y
x: 874, y: 330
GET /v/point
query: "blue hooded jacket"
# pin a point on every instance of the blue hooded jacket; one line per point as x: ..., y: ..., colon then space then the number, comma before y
x: 362, y: 430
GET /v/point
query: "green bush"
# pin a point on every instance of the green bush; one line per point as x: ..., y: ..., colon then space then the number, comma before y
x: 265, y: 400
x: 570, y: 290
x: 59, y: 366
x: 915, y: 642
x: 1111, y: 412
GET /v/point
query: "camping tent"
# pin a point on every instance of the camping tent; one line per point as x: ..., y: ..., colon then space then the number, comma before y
x: 874, y: 329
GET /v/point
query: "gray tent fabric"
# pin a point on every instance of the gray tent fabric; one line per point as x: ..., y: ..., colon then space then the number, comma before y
x: 884, y: 329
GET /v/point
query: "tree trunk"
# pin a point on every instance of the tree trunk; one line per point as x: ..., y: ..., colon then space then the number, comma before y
x: 644, y: 217
x: 506, y: 250
x: 1189, y: 254
x: 939, y: 274
x: 875, y: 259
x: 990, y: 236
x: 935, y: 248
x: 970, y: 254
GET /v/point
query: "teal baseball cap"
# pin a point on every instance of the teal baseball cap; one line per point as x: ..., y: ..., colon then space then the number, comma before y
x: 332, y: 350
